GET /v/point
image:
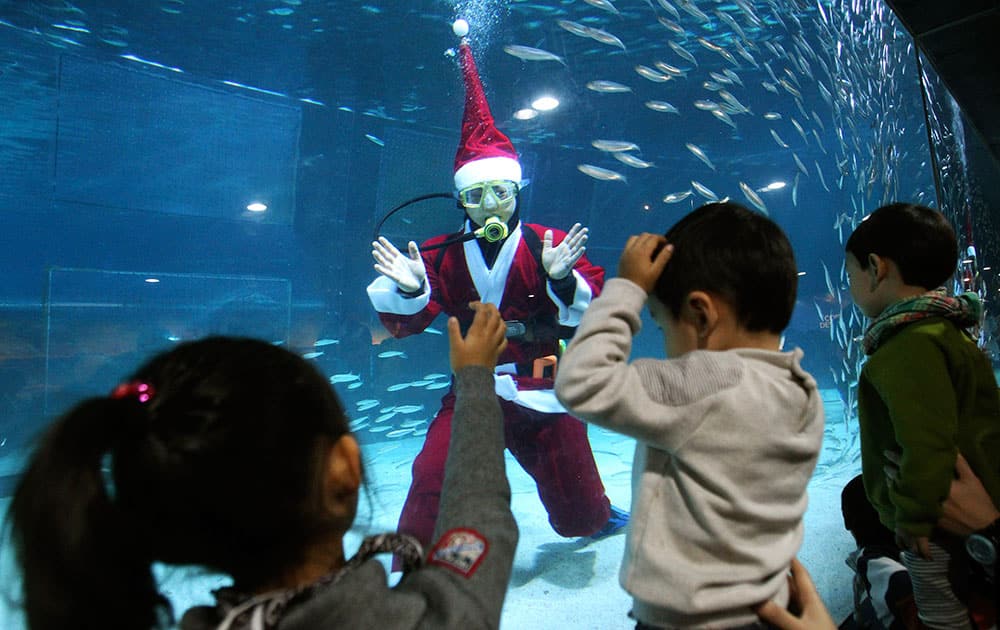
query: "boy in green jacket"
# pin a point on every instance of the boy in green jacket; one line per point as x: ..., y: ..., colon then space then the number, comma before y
x: 926, y: 393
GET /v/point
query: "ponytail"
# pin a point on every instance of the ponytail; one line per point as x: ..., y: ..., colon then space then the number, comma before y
x: 84, y: 561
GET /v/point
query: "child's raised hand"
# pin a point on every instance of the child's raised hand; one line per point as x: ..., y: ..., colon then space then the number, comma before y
x: 638, y: 263
x: 483, y: 343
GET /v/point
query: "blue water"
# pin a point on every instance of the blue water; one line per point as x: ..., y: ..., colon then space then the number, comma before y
x: 133, y: 137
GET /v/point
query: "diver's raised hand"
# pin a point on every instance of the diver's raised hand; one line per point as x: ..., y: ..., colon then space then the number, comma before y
x: 559, y: 260
x: 408, y: 272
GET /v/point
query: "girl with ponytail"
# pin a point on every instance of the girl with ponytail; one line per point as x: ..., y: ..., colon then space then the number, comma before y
x: 235, y: 455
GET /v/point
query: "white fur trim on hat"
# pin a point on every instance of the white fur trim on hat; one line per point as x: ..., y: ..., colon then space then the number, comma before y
x: 487, y: 169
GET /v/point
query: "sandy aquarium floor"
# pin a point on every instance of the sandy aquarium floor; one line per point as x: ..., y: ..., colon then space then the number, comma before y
x: 558, y: 582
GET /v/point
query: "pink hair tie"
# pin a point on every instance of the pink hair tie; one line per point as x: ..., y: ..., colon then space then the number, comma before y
x: 134, y: 389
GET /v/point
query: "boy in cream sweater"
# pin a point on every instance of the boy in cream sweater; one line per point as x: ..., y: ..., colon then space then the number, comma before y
x: 728, y: 427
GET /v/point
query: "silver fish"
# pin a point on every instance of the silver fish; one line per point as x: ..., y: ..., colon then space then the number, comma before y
x: 345, y: 377
x: 822, y: 180
x: 671, y: 25
x: 648, y: 73
x: 777, y: 138
x: 389, y: 354
x: 802, y: 167
x: 724, y: 117
x: 753, y: 198
x: 527, y: 53
x: 704, y: 191
x: 611, y: 146
x: 607, y: 87
x: 682, y: 52
x: 631, y: 160
x: 795, y: 191
x: 772, y: 116
x: 573, y: 27
x: 603, y: 5
x: 606, y: 38
x: 798, y: 127
x: 706, y: 105
x: 662, y: 106
x: 698, y: 153
x: 677, y: 197
x: 603, y: 174
x: 669, y: 8
x: 673, y: 71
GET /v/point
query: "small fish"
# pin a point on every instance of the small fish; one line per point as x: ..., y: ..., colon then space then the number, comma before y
x: 795, y: 191
x: 802, y: 167
x: 753, y: 198
x: 669, y: 8
x: 436, y: 375
x: 380, y: 428
x: 822, y: 180
x: 385, y: 416
x: 677, y: 197
x: 673, y: 71
x: 366, y: 404
x: 798, y: 127
x: 604, y: 5
x: 312, y: 355
x: 319, y: 343
x: 439, y: 385
x: 662, y: 106
x: 770, y: 87
x: 631, y: 160
x: 704, y: 191
x: 389, y: 354
x: 698, y: 153
x: 772, y: 116
x: 682, y: 52
x: 398, y: 433
x: 777, y: 138
x: 433, y: 331
x: 413, y: 423
x: 409, y: 408
x: 527, y: 53
x: 602, y: 174
x: 672, y: 26
x: 706, y: 105
x: 575, y: 28
x: 606, y: 38
x: 612, y: 146
x: 607, y: 87
x: 648, y: 73
x: 345, y: 377
x: 397, y: 387
x: 420, y: 383
x: 355, y: 385
x: 379, y: 141
x: 724, y: 117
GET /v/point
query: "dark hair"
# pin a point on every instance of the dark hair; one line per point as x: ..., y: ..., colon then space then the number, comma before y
x: 918, y: 239
x: 741, y: 256
x: 219, y: 468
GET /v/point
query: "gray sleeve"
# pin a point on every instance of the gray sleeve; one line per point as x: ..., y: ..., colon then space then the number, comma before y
x: 475, y: 496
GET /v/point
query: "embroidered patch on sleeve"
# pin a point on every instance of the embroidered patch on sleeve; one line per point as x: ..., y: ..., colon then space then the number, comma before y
x: 461, y: 550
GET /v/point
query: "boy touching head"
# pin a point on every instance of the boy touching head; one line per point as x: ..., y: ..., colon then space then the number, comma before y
x: 728, y: 427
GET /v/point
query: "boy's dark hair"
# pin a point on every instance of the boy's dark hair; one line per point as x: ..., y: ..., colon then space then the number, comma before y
x: 918, y: 239
x: 219, y: 468
x: 740, y: 255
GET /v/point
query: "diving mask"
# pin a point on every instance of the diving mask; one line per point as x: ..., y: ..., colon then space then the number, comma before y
x: 503, y: 191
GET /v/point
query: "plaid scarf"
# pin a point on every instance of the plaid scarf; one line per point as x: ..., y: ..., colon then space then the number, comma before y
x: 965, y: 311
x: 263, y: 612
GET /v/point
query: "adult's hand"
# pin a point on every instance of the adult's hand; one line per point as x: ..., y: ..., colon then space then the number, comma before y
x: 802, y: 596
x: 408, y: 272
x: 559, y: 260
x: 637, y: 262
x: 483, y: 343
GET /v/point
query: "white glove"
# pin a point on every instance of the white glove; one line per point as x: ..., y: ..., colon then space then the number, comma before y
x: 558, y: 261
x: 409, y: 274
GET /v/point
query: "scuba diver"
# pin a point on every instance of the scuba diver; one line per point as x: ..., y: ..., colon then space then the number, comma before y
x: 541, y: 282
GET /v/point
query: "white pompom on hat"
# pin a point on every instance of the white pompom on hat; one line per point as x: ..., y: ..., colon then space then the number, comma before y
x: 484, y: 153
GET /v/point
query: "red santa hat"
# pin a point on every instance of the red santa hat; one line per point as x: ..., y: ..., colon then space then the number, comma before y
x: 484, y: 153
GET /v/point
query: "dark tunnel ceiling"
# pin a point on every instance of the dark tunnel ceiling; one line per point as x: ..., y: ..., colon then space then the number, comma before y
x: 958, y: 37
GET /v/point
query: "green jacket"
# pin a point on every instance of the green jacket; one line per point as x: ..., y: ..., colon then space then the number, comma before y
x: 927, y: 393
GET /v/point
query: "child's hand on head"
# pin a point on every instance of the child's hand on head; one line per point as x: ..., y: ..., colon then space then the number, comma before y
x: 638, y: 263
x: 483, y: 343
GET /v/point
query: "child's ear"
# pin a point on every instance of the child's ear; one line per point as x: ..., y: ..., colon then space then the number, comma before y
x: 701, y: 311
x: 878, y: 269
x: 343, y: 475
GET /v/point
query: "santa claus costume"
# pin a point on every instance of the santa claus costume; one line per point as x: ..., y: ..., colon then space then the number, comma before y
x: 507, y: 264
